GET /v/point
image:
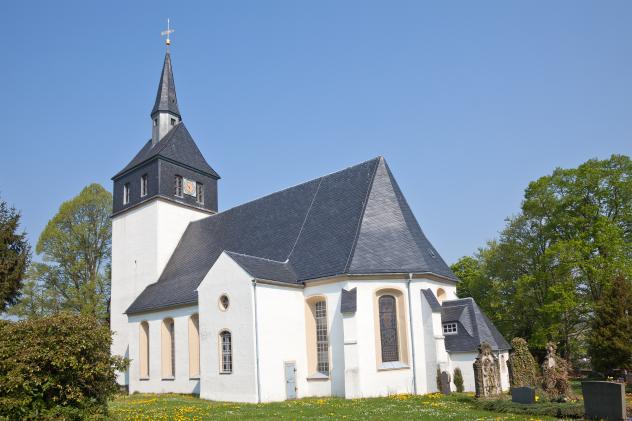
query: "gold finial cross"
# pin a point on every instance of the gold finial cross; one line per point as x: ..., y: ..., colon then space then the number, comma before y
x: 168, y: 32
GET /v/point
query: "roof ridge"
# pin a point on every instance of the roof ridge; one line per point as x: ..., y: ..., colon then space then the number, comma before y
x: 289, y: 188
x: 361, y: 219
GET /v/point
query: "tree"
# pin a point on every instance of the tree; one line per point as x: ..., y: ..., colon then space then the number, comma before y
x: 610, y: 344
x: 543, y: 276
x: 15, y: 254
x: 75, y: 248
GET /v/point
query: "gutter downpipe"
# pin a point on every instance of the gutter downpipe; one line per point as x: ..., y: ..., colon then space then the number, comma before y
x: 254, y: 289
x: 412, y: 332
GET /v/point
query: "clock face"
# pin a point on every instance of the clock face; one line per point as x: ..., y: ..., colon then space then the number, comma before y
x: 189, y: 187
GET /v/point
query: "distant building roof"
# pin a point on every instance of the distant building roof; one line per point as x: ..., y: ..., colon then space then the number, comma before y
x: 354, y: 221
x: 473, y: 327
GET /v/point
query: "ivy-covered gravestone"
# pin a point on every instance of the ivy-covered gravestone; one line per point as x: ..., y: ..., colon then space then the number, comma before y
x: 555, y: 382
x: 486, y: 372
x: 523, y: 370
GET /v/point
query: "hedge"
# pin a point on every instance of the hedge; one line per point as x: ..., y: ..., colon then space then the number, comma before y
x: 56, y: 367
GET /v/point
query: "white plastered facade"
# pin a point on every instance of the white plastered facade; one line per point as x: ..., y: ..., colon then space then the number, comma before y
x: 269, y: 328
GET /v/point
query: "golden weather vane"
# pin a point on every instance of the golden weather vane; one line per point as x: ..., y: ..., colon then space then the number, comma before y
x: 168, y: 32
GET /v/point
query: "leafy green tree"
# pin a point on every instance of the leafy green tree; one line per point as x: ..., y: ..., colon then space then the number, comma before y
x: 15, y: 254
x: 610, y: 344
x: 75, y: 248
x: 542, y: 277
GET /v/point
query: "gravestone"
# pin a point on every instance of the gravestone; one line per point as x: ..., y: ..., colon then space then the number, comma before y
x: 525, y: 395
x: 445, y: 383
x: 486, y: 372
x: 554, y: 381
x: 604, y: 400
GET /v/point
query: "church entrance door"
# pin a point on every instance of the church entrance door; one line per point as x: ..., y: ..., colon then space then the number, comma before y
x: 290, y: 379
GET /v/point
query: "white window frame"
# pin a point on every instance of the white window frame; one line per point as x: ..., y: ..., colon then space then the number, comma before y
x: 450, y: 328
x: 322, y: 337
x: 225, y: 353
x: 126, y: 188
x: 143, y: 185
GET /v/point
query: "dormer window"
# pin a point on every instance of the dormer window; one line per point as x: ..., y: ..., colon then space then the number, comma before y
x: 126, y: 193
x: 178, y: 186
x: 173, y: 121
x: 450, y: 329
x: 200, y: 193
x: 143, y: 185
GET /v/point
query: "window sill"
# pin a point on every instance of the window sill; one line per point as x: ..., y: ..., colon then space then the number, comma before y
x: 194, y: 377
x: 143, y: 379
x: 224, y: 374
x: 168, y: 378
x: 317, y: 377
x: 392, y: 365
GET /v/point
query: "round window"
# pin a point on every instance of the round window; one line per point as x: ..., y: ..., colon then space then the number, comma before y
x: 224, y: 302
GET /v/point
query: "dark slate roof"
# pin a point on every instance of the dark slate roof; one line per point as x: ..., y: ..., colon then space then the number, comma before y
x: 355, y: 221
x: 348, y: 300
x: 166, y: 99
x: 178, y: 146
x: 432, y: 300
x: 473, y: 327
x: 261, y: 268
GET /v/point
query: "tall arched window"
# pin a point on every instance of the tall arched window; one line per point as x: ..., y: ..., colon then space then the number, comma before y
x: 317, y: 336
x: 322, y: 341
x: 226, y: 352
x: 194, y: 346
x: 388, y: 328
x: 168, y: 349
x: 143, y: 350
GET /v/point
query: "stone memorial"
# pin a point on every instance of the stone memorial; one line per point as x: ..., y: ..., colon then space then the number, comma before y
x: 604, y: 400
x: 524, y: 395
x: 486, y: 372
x: 445, y: 383
x: 555, y: 382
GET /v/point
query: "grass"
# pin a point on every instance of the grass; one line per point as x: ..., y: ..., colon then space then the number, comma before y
x: 457, y: 406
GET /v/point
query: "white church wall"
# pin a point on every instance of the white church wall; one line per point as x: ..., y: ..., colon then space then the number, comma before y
x: 143, y: 239
x: 281, y: 324
x: 181, y: 382
x: 503, y: 358
x: 226, y: 277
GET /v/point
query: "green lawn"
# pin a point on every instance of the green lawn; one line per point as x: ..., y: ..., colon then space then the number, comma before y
x: 399, y: 407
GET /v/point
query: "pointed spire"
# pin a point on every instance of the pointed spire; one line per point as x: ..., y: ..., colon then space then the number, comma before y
x: 166, y: 100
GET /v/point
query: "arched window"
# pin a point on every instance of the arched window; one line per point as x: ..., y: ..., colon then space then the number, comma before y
x: 317, y: 336
x: 143, y: 350
x: 226, y: 352
x: 322, y: 341
x: 194, y: 346
x: 441, y: 295
x: 168, y: 349
x: 388, y: 328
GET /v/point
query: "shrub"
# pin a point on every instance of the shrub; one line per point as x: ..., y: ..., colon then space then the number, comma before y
x: 553, y: 409
x: 458, y: 380
x: 522, y: 366
x: 56, y: 367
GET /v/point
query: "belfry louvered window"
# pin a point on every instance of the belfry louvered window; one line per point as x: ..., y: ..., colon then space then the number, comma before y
x: 178, y: 186
x: 143, y: 185
x: 388, y: 328
x: 226, y: 344
x: 322, y: 342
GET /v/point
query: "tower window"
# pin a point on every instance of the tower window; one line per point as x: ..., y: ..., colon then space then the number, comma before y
x: 143, y: 185
x: 173, y: 121
x: 200, y: 193
x: 155, y: 122
x: 126, y: 193
x: 178, y: 186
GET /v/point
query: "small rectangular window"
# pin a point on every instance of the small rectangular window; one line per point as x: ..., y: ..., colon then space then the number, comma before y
x: 143, y: 185
x: 155, y: 122
x: 178, y: 186
x: 173, y: 121
x: 450, y: 329
x: 200, y: 193
x: 126, y: 193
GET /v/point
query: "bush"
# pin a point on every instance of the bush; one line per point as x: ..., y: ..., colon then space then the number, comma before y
x: 522, y: 366
x: 552, y: 409
x: 56, y: 367
x: 458, y: 380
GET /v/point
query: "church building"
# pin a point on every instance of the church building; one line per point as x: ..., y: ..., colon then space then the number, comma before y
x: 327, y: 288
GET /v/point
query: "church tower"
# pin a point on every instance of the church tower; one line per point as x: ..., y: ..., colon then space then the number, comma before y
x: 164, y: 187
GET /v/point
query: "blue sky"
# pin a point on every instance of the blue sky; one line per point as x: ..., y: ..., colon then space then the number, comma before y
x: 468, y: 101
